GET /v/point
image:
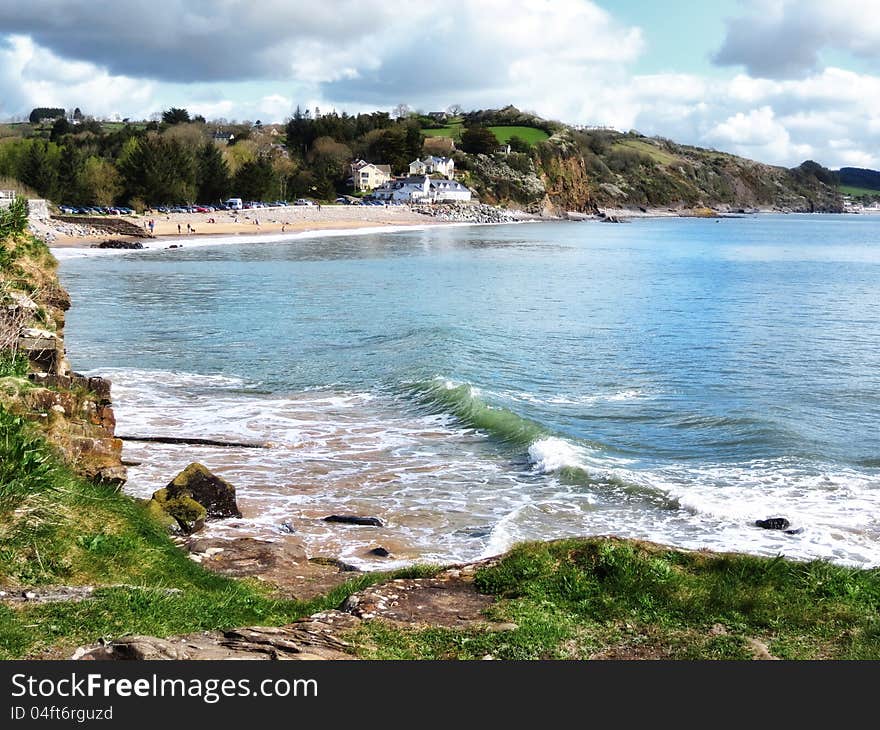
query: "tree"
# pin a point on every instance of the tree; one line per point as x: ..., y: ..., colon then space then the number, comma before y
x: 70, y: 168
x: 101, y: 182
x: 39, y: 168
x: 255, y: 180
x: 401, y: 111
x: 159, y: 170
x: 518, y: 144
x: 454, y: 109
x: 175, y: 115
x: 478, y: 140
x: 212, y: 174
x: 45, y: 112
x: 78, y: 115
x: 59, y: 128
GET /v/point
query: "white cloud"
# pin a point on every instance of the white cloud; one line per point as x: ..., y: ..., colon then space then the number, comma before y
x: 784, y: 38
x: 32, y: 76
x: 566, y: 59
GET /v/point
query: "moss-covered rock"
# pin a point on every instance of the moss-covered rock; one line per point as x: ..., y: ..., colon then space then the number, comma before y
x: 214, y: 493
x: 183, y: 509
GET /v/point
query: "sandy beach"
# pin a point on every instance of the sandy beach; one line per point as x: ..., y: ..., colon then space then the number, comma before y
x: 286, y: 220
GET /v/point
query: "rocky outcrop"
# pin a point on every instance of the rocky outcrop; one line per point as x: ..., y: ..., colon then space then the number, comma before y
x: 192, y: 497
x: 448, y: 600
x: 118, y: 226
x: 73, y: 411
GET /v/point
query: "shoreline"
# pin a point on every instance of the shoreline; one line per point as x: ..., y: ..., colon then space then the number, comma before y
x: 258, y: 224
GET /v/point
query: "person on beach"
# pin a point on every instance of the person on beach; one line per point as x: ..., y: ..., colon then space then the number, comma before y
x: 152, y: 226
x: 178, y: 229
x: 283, y: 226
x: 188, y: 228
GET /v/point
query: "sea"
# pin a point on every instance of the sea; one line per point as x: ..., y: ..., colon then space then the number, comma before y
x: 672, y: 380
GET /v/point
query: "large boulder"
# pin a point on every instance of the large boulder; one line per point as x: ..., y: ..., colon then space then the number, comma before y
x: 214, y: 493
x: 179, y: 510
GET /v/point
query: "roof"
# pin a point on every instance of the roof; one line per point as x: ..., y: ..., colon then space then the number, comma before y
x: 360, y: 164
x: 447, y: 185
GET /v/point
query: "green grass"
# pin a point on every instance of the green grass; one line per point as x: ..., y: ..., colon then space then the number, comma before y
x: 453, y: 130
x: 527, y: 134
x: 646, y: 148
x: 617, y: 599
x: 56, y: 528
x: 859, y: 192
x: 502, y: 134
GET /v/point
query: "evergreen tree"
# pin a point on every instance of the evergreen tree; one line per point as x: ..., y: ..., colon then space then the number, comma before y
x: 70, y: 168
x: 175, y: 115
x: 212, y: 174
x: 159, y: 170
x: 255, y: 179
x: 479, y: 140
x: 38, y: 169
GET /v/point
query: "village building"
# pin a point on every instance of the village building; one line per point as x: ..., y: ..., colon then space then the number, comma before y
x: 366, y: 176
x: 422, y: 189
x: 433, y: 165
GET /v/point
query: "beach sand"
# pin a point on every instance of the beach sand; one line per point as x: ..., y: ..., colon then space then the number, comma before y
x: 291, y: 219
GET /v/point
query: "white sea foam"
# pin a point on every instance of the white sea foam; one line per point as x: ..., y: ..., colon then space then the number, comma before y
x: 445, y: 493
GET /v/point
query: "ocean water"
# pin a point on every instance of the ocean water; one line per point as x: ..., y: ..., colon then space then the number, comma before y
x: 668, y: 379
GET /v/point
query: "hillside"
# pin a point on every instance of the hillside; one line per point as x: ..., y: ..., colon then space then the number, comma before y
x: 583, y: 170
x: 552, y: 167
x: 856, y: 177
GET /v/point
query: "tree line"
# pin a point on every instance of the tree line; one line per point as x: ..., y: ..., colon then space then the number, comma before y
x: 179, y: 160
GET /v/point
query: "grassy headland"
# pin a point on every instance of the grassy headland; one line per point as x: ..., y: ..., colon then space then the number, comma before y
x: 619, y: 599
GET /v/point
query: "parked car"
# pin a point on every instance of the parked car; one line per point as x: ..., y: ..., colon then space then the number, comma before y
x: 303, y: 201
x: 234, y: 203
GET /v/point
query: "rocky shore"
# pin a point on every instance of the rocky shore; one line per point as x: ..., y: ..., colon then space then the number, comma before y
x: 476, y: 213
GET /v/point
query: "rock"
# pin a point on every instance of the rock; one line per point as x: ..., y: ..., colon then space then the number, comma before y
x: 355, y: 520
x: 287, y: 528
x: 189, y: 514
x: 335, y: 563
x: 379, y: 552
x: 214, y: 493
x: 118, y: 244
x: 773, y: 523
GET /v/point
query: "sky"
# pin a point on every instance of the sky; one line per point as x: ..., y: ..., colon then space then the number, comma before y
x: 779, y: 81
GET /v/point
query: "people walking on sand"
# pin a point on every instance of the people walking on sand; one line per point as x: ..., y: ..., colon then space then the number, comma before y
x: 152, y: 226
x: 188, y: 228
x: 178, y: 229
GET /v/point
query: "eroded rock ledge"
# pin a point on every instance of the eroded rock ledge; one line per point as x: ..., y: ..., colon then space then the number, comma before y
x: 449, y: 599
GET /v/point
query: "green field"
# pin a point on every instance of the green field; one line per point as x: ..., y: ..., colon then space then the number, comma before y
x: 859, y: 192
x: 527, y: 134
x: 502, y: 134
x: 453, y: 129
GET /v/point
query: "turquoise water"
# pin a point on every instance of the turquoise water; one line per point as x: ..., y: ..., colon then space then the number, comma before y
x: 666, y: 379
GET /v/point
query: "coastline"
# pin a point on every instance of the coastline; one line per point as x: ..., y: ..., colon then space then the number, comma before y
x: 260, y: 224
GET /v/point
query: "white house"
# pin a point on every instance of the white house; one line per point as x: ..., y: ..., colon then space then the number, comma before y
x: 422, y: 189
x: 404, y: 190
x: 448, y: 191
x: 443, y: 165
x: 367, y: 176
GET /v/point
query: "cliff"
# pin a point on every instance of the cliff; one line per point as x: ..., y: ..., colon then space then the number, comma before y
x: 73, y: 412
x: 585, y: 170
